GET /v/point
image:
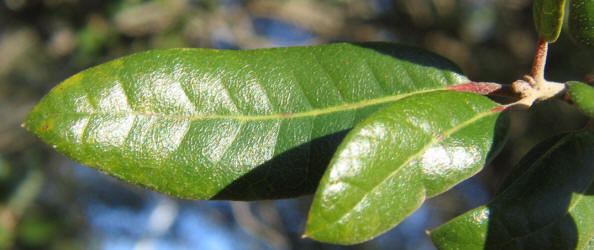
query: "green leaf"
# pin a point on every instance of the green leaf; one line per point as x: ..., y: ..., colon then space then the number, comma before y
x: 582, y: 96
x: 548, y: 18
x: 547, y: 203
x: 241, y: 125
x: 390, y: 163
x: 581, y: 22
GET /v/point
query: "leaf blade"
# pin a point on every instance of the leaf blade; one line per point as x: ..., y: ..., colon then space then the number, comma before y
x: 548, y: 18
x: 204, y: 124
x: 389, y: 164
x: 583, y: 97
x: 581, y: 22
x: 546, y: 202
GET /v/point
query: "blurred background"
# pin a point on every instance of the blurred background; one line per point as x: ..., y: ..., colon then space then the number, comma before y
x: 50, y: 202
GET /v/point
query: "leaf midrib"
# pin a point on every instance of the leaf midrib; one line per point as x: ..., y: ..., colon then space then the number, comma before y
x: 277, y: 116
x: 431, y: 143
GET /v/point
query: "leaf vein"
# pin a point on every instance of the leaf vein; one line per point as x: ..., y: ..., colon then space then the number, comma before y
x: 187, y: 97
x: 375, y: 78
x: 230, y: 95
x: 129, y: 134
x: 333, y: 83
x: 230, y: 144
x: 302, y: 91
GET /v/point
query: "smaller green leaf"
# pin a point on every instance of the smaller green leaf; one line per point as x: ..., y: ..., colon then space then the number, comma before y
x: 583, y: 96
x: 547, y: 202
x: 581, y: 22
x: 390, y: 163
x: 548, y: 18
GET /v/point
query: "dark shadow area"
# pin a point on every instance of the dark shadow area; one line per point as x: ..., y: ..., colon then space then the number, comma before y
x: 502, y: 131
x: 533, y: 211
x: 292, y: 173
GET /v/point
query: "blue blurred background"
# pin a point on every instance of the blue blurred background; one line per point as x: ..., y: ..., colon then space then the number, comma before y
x: 50, y: 202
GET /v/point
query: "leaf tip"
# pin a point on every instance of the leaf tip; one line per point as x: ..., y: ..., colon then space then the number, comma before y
x: 305, y: 236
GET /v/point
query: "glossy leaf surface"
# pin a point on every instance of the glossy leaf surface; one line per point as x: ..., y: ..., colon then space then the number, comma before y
x: 547, y: 203
x: 582, y: 96
x: 581, y: 22
x: 390, y: 163
x: 548, y: 18
x: 241, y: 125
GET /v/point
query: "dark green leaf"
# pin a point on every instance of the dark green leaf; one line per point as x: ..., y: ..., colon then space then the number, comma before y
x: 582, y: 96
x: 548, y: 18
x: 547, y: 203
x: 390, y: 163
x: 242, y: 125
x: 581, y: 22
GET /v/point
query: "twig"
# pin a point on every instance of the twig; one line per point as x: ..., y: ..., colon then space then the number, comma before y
x: 248, y: 222
x: 539, y: 63
x: 536, y: 87
x: 24, y: 195
x: 26, y: 192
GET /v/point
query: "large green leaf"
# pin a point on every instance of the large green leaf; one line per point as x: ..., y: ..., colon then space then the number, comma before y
x: 582, y: 96
x: 242, y: 125
x: 547, y: 203
x: 390, y: 163
x: 548, y: 18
